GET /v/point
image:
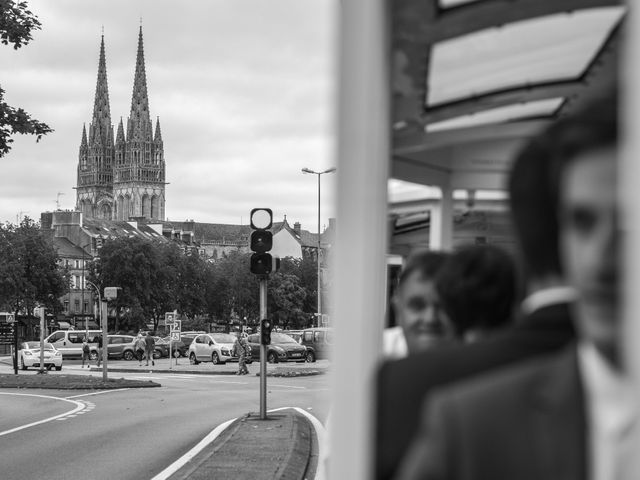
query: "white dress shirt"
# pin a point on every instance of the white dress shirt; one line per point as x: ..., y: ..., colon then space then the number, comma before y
x: 611, y: 409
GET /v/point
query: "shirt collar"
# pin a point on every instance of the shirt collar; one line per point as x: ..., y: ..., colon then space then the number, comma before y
x: 547, y: 296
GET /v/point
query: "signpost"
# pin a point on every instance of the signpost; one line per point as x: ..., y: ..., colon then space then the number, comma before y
x: 170, y: 318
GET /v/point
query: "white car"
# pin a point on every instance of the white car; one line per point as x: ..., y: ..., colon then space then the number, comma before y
x: 29, y: 354
x: 212, y: 347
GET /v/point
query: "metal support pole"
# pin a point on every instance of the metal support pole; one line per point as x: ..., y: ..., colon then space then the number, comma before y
x: 104, y: 326
x: 318, y: 258
x: 263, y: 351
x: 42, y: 369
x: 15, y: 344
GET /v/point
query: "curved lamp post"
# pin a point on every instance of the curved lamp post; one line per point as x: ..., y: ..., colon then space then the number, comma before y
x: 329, y: 170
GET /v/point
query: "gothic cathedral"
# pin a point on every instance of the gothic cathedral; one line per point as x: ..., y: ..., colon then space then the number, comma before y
x: 124, y: 179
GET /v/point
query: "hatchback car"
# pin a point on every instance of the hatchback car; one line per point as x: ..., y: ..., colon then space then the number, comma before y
x: 178, y: 348
x: 212, y: 347
x: 283, y: 348
x: 30, y: 356
x: 121, y: 346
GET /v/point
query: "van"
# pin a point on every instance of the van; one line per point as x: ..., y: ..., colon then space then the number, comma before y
x: 69, y: 342
x: 318, y: 341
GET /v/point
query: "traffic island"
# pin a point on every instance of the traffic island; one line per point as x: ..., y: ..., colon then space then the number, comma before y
x: 70, y: 382
x: 283, y: 446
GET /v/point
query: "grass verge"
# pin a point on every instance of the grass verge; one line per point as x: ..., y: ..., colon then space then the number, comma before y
x: 70, y: 382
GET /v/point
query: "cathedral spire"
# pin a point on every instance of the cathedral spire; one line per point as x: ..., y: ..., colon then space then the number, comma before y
x: 83, y: 142
x: 120, y: 134
x: 158, y: 135
x: 101, y: 123
x: 139, y: 116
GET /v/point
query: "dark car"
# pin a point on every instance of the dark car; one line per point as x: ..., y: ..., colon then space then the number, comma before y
x: 178, y: 348
x: 318, y: 341
x: 283, y: 348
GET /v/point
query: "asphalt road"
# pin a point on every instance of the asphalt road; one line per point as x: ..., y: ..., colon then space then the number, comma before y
x: 133, y: 433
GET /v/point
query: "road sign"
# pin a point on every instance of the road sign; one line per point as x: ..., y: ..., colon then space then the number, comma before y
x: 169, y: 317
x: 10, y: 318
x: 176, y: 326
x: 175, y: 336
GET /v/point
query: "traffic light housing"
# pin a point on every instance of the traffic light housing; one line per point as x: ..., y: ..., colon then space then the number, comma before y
x: 262, y: 262
x: 265, y: 331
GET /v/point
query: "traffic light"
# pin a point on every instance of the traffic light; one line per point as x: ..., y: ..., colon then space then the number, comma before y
x: 265, y: 331
x: 262, y: 263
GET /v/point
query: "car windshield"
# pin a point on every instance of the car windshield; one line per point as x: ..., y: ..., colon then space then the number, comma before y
x: 281, y: 338
x: 223, y: 337
x: 36, y: 346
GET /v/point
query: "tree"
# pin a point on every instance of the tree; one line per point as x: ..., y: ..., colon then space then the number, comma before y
x: 29, y: 272
x: 16, y: 25
x: 286, y: 301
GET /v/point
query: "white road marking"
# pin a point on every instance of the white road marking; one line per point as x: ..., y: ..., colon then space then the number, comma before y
x: 286, y: 386
x: 182, y: 461
x: 320, y: 435
x: 79, y: 406
x: 98, y: 393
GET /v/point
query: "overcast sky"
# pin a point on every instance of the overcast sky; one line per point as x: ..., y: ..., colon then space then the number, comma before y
x: 244, y: 90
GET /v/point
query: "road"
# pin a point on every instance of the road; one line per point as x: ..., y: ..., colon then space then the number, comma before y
x: 133, y: 433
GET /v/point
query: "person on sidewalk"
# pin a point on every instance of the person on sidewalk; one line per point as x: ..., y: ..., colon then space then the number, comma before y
x: 150, y: 346
x: 242, y: 350
x: 98, y: 340
x: 86, y: 351
x: 139, y: 348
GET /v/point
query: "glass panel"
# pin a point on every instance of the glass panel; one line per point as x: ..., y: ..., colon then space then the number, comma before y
x: 521, y: 53
x: 539, y: 108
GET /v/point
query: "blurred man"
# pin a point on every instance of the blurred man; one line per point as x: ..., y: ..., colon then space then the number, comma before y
x: 422, y: 323
x: 564, y: 415
x: 542, y: 325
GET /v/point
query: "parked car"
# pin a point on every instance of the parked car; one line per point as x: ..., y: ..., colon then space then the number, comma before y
x: 161, y: 348
x: 187, y: 337
x: 178, y: 348
x: 29, y: 355
x: 121, y: 346
x: 212, y: 347
x: 69, y: 342
x: 283, y: 348
x: 318, y: 341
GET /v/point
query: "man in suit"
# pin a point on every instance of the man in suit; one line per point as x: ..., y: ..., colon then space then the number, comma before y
x: 561, y: 416
x: 542, y: 325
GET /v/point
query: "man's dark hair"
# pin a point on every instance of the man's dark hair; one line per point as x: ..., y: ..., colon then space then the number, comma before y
x: 534, y: 182
x: 427, y: 263
x: 477, y: 287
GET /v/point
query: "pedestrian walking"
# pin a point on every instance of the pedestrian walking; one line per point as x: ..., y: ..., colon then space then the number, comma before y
x: 86, y: 351
x: 242, y: 350
x: 98, y: 340
x: 149, y: 347
x: 139, y: 348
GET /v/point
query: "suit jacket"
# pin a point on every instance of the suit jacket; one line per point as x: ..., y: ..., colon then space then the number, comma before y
x: 525, y: 422
x: 402, y: 384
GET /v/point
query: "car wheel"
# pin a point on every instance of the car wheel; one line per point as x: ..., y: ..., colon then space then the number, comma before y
x: 128, y: 355
x: 272, y: 357
x: 215, y: 358
x: 311, y: 357
x: 176, y: 353
x: 156, y: 354
x: 93, y: 355
x: 193, y: 360
x: 59, y: 368
x: 22, y: 365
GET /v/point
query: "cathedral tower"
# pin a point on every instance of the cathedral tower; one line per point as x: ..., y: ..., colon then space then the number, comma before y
x: 94, y: 191
x: 139, y: 168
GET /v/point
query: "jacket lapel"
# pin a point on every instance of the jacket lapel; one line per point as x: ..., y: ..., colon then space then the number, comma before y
x: 559, y: 429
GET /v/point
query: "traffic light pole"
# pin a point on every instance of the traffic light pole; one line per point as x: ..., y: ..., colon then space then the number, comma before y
x: 263, y: 350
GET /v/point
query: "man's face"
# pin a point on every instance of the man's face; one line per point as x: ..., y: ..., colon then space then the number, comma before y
x: 588, y: 236
x: 420, y: 314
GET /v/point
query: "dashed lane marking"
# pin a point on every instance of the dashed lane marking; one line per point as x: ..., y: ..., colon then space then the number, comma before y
x: 79, y: 406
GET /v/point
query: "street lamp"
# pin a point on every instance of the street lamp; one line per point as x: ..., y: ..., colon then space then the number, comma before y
x: 329, y: 170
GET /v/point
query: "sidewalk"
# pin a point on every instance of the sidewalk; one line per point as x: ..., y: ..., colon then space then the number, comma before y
x: 284, y: 446
x: 205, y: 368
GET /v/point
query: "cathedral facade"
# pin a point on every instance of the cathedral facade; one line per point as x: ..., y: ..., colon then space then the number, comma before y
x: 121, y: 178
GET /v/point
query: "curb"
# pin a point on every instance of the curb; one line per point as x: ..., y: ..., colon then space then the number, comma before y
x: 284, y: 446
x: 289, y: 373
